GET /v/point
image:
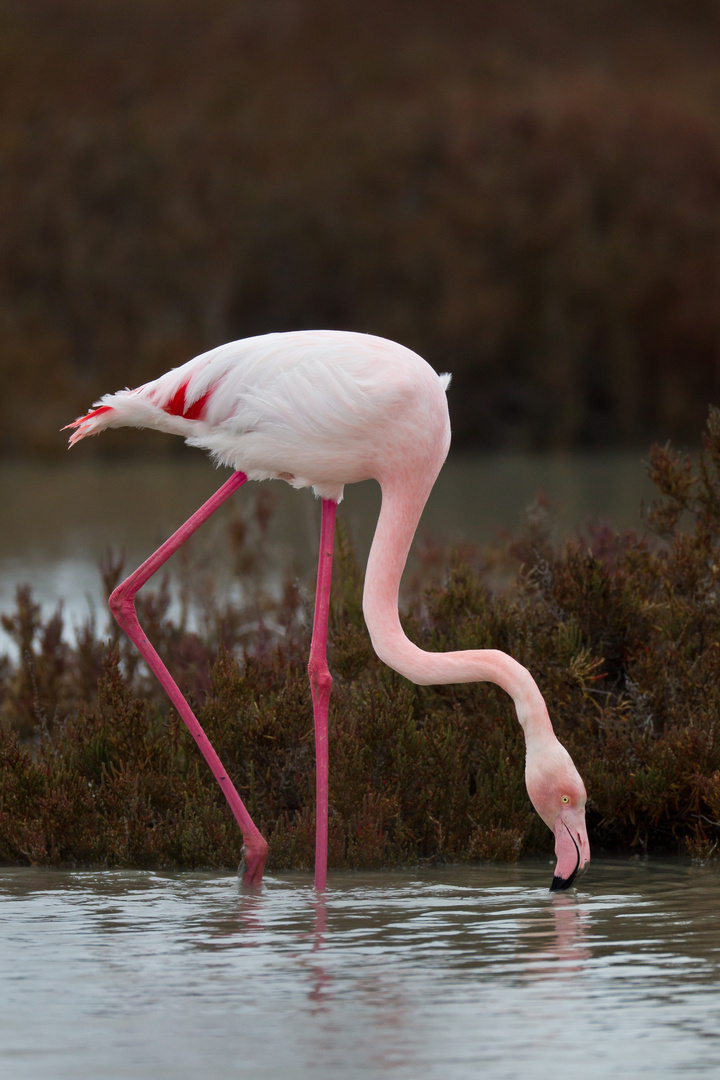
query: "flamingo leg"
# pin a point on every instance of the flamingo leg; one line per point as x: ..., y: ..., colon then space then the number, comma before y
x: 122, y: 605
x: 320, y: 685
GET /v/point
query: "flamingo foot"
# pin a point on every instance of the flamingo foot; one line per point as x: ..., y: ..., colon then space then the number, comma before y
x: 252, y: 862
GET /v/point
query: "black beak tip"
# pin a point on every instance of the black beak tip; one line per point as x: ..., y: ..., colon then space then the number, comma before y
x: 559, y: 884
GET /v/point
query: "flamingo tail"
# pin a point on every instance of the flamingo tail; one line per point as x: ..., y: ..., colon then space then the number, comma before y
x: 143, y: 407
x: 92, y: 423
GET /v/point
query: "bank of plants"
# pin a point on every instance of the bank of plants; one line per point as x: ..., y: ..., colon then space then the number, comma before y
x: 622, y: 632
x: 525, y: 193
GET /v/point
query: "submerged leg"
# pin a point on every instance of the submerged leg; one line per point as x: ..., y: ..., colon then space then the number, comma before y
x: 122, y: 605
x: 320, y: 684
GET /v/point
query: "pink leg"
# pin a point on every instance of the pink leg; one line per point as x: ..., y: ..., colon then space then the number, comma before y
x: 122, y: 605
x: 320, y: 684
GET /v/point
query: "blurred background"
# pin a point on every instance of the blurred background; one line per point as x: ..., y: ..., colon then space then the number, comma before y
x: 526, y: 192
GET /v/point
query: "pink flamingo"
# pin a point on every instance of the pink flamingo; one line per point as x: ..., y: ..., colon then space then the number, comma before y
x: 323, y: 409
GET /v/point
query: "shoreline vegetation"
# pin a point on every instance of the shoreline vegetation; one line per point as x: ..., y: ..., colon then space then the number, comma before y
x: 526, y: 194
x: 621, y: 631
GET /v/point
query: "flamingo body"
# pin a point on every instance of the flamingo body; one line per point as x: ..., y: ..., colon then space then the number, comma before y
x: 319, y: 408
x: 323, y: 409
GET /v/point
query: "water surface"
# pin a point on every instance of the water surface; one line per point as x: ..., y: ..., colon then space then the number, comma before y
x: 60, y: 520
x: 454, y: 973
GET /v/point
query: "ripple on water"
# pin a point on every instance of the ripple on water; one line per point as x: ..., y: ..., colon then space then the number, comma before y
x: 448, y: 973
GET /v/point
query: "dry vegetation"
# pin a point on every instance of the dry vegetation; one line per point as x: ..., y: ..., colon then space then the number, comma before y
x: 621, y: 633
x: 526, y: 192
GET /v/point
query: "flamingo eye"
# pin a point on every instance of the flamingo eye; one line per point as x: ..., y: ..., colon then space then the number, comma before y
x: 565, y: 799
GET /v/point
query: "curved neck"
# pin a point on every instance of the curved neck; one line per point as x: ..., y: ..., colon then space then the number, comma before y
x: 398, y: 520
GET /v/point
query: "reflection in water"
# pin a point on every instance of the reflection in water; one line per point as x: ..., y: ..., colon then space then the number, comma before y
x: 319, y: 978
x: 565, y: 926
x: 454, y: 973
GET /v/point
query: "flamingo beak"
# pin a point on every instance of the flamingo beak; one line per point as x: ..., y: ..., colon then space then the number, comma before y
x: 572, y: 848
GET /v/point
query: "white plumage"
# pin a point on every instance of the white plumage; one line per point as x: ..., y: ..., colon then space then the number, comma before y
x: 318, y: 408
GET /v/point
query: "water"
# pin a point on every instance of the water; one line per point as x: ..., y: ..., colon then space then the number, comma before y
x: 60, y: 520
x: 453, y: 974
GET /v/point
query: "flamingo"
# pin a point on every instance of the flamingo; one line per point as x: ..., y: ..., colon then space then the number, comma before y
x: 321, y: 409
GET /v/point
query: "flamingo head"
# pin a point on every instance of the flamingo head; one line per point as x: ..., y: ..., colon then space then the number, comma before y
x: 558, y: 794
